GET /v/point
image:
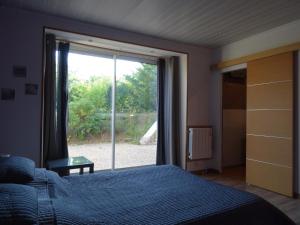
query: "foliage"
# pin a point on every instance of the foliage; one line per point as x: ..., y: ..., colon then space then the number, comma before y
x: 90, y: 105
x: 138, y: 92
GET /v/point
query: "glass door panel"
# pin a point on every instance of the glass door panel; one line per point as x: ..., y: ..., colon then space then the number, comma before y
x: 89, y: 108
x: 136, y: 114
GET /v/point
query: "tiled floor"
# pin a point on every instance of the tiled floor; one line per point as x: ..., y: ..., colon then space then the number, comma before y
x: 235, y: 177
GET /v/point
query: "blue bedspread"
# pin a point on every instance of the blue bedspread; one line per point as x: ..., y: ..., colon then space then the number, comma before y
x: 151, y: 195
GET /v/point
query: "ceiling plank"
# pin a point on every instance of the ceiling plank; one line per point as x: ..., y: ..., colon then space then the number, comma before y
x: 210, y: 23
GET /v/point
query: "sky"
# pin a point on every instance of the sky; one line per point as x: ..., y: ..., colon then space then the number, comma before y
x: 85, y: 66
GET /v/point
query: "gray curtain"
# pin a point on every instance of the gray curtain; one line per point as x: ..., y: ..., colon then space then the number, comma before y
x: 55, y: 100
x: 49, y: 140
x: 168, y: 140
x: 62, y: 100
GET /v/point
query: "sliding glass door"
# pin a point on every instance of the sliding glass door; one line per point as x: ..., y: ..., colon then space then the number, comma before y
x: 112, y: 111
x: 89, y: 108
x: 136, y: 114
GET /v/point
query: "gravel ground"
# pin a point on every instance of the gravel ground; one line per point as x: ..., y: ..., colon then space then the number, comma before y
x: 127, y: 155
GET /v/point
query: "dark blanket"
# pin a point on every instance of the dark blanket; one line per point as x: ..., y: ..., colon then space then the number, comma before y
x: 151, y: 195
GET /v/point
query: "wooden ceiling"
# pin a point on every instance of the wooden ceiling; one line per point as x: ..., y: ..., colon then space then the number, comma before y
x: 202, y: 22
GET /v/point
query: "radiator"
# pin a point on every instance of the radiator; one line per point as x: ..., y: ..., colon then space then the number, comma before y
x: 200, y: 143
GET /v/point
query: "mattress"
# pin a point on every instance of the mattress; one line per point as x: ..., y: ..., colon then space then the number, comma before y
x: 149, y: 195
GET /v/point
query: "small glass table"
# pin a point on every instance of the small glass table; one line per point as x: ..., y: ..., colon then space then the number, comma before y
x: 63, y: 165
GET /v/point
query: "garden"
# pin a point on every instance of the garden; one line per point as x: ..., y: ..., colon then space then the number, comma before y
x: 90, y: 107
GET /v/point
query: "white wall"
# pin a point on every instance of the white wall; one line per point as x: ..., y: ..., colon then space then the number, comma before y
x: 215, y: 119
x: 279, y: 36
x: 21, y: 44
x: 276, y: 37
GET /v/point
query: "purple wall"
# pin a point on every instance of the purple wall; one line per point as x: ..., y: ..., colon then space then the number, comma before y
x: 21, y: 44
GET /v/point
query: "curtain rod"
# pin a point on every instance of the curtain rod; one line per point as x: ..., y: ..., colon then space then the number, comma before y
x: 102, y: 48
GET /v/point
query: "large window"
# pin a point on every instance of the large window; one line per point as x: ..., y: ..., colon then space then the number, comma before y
x: 112, y: 111
x: 136, y: 114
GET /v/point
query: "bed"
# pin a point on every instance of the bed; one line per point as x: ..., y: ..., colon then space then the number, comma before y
x: 149, y: 195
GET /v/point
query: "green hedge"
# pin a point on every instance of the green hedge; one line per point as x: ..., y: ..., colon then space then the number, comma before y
x: 89, y: 111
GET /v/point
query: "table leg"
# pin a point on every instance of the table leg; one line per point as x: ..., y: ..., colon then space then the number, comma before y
x: 81, y: 171
x: 92, y: 168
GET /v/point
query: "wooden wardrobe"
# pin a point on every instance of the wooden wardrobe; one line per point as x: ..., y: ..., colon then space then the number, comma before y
x: 270, y: 119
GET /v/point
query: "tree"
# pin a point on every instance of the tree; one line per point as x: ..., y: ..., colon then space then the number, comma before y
x: 90, y: 102
x: 138, y: 92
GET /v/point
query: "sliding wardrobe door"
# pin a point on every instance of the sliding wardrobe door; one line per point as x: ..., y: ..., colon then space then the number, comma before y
x: 270, y: 123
